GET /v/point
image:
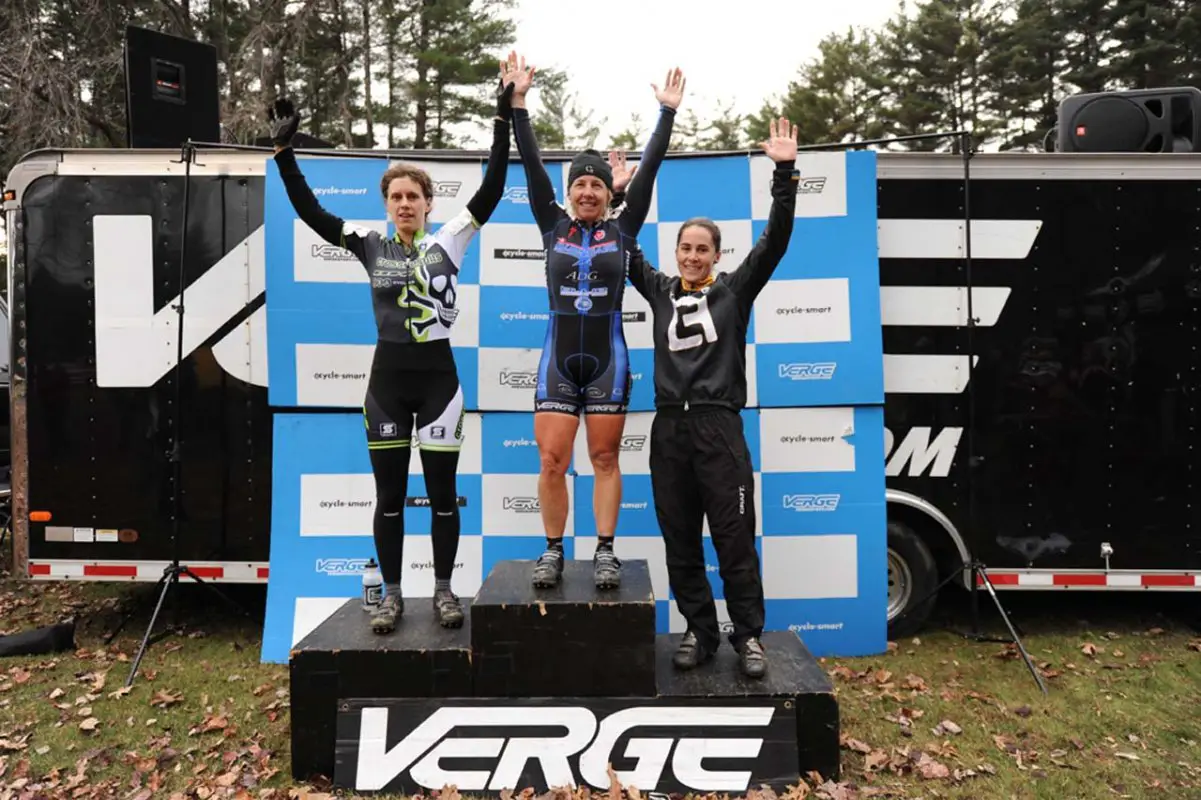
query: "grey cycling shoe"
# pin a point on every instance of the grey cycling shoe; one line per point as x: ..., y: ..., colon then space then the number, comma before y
x: 448, y: 608
x: 390, y: 609
x: 606, y: 569
x: 548, y: 569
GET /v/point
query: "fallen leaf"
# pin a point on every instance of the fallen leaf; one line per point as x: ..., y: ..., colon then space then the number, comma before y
x: 875, y: 760
x: 89, y: 724
x: 164, y: 698
x: 856, y: 745
x: 930, y: 769
x: 1089, y: 649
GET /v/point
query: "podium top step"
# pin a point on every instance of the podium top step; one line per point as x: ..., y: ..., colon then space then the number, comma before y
x: 509, y: 583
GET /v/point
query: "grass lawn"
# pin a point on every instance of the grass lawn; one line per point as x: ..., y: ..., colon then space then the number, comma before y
x: 936, y: 716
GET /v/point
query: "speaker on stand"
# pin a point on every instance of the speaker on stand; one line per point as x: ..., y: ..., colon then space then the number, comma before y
x: 1164, y: 120
x: 171, y: 90
x: 171, y: 101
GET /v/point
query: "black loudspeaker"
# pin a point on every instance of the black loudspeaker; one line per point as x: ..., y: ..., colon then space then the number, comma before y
x: 170, y: 90
x: 1134, y: 121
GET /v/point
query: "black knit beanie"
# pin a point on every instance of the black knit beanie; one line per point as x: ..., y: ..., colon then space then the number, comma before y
x: 590, y: 162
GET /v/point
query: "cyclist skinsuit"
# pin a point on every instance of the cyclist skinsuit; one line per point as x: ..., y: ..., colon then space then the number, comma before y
x: 700, y: 464
x: 585, y: 364
x: 414, y: 292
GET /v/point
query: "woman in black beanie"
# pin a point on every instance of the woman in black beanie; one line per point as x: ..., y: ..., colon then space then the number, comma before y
x: 585, y: 364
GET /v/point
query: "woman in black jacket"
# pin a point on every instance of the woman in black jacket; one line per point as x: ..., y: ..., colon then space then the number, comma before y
x: 699, y: 459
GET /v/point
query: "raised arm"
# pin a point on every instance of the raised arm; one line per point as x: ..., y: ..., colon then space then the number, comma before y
x: 756, y: 269
x: 285, y: 120
x: 456, y: 235
x: 547, y: 210
x: 638, y: 193
x: 492, y: 188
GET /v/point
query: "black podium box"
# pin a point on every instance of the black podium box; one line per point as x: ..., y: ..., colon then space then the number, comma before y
x: 570, y: 641
x: 343, y: 657
x: 528, y: 694
x: 711, y: 730
x: 794, y: 678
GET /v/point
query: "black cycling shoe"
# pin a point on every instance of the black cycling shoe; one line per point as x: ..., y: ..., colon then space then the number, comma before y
x: 548, y: 569
x: 690, y: 653
x: 606, y: 569
x: 448, y: 608
x: 752, y: 659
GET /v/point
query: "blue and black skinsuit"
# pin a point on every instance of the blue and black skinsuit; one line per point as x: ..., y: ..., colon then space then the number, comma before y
x: 585, y: 364
x: 414, y: 380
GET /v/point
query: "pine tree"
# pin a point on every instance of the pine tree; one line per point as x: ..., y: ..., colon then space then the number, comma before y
x: 834, y: 96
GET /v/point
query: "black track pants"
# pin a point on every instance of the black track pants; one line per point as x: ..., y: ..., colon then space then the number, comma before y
x: 701, y: 465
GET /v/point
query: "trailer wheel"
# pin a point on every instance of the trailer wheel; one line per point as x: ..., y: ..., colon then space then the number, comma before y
x: 912, y: 576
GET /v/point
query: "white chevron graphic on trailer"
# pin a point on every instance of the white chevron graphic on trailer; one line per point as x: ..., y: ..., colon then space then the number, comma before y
x: 944, y: 306
x: 136, y: 346
x: 943, y: 238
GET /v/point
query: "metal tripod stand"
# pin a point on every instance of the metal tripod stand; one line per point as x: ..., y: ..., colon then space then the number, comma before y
x: 175, y: 570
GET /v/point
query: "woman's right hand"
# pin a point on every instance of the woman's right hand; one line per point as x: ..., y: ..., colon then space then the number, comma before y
x: 285, y: 120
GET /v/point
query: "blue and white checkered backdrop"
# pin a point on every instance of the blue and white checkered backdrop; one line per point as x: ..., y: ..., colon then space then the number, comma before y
x: 814, y: 422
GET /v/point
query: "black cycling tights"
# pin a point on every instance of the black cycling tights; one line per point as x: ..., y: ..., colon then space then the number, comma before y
x: 391, y: 468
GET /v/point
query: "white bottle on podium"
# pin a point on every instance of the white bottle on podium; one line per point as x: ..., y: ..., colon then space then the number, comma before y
x: 373, y: 586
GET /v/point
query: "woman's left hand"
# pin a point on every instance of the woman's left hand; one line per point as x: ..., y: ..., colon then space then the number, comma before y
x: 673, y: 91
x: 782, y: 141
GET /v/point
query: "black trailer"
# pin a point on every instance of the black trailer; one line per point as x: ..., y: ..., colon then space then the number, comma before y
x: 1056, y: 441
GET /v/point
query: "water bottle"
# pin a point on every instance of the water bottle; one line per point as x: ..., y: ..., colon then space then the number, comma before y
x: 373, y: 586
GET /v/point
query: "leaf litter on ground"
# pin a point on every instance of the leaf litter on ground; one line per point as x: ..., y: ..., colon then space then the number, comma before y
x: 932, y: 716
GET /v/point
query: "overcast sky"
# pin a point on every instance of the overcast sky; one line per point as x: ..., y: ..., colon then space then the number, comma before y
x: 614, y: 50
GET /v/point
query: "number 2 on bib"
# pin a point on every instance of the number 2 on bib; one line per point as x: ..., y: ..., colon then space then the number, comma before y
x: 691, y: 324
